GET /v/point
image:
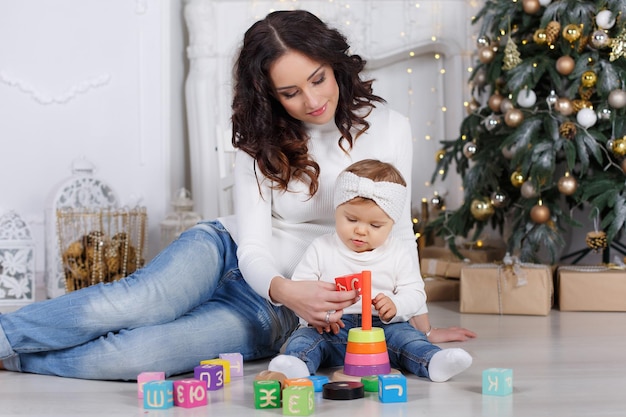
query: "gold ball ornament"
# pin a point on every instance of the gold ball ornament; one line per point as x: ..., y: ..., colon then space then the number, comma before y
x: 567, y: 184
x: 617, y: 99
x: 495, y: 101
x: 517, y: 179
x: 588, y: 79
x: 540, y: 37
x: 572, y: 32
x: 486, y: 54
x: 472, y: 106
x: 596, y: 240
x: 565, y: 65
x: 531, y: 6
x: 539, y: 214
x: 619, y: 147
x: 513, y: 117
x: 482, y: 209
x: 564, y: 106
x: 439, y: 155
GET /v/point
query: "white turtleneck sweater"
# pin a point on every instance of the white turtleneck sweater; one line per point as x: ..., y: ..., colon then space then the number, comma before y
x: 273, y: 229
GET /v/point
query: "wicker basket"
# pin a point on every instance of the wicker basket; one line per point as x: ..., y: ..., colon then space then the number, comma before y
x: 100, y: 245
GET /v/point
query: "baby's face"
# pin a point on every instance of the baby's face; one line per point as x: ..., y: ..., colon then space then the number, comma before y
x: 361, y: 225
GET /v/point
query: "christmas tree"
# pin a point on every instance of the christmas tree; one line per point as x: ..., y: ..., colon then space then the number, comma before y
x: 545, y: 132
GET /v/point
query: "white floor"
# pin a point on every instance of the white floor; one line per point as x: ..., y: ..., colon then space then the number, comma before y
x: 566, y: 364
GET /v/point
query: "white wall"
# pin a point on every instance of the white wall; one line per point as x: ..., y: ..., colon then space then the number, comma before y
x: 99, y: 79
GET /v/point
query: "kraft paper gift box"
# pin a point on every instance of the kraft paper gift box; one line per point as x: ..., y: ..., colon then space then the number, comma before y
x: 591, y: 288
x: 441, y: 289
x: 431, y: 267
x: 476, y: 255
x: 521, y: 288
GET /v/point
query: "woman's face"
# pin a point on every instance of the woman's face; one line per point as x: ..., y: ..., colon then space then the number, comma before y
x: 307, y: 89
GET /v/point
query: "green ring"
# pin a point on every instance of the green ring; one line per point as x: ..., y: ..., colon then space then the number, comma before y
x: 358, y: 335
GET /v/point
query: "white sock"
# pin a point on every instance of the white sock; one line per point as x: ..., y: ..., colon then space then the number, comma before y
x: 289, y: 365
x: 447, y: 363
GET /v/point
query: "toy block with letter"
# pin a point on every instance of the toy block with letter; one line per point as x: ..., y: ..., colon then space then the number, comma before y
x: 267, y: 393
x: 298, y: 400
x: 158, y: 395
x: 225, y: 364
x: 348, y: 282
x: 236, y: 363
x: 392, y: 388
x: 498, y: 381
x: 190, y: 393
x: 211, y: 374
x: 144, y: 377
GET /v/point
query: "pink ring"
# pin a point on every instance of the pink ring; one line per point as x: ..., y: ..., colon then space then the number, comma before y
x: 367, y: 358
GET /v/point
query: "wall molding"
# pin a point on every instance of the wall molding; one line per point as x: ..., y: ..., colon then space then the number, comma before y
x: 81, y: 87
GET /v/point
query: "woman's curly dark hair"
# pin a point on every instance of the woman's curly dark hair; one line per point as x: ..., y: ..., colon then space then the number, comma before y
x: 261, y: 126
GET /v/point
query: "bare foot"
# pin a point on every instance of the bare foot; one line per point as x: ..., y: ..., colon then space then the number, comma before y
x: 1, y: 365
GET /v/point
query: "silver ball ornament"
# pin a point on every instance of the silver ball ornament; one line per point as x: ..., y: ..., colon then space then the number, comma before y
x: 499, y: 199
x: 470, y: 149
x: 599, y: 39
x: 604, y: 113
x: 492, y: 122
x: 617, y: 99
x: 528, y: 190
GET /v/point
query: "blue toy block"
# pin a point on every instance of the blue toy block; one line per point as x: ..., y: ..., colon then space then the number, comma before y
x: 318, y: 382
x: 211, y: 374
x: 158, y: 395
x: 392, y: 388
x: 236, y: 362
x: 497, y: 381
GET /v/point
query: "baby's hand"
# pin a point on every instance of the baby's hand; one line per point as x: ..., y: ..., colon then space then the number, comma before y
x: 385, y: 307
x: 331, y: 327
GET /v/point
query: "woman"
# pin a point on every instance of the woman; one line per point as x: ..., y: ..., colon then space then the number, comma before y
x: 301, y: 114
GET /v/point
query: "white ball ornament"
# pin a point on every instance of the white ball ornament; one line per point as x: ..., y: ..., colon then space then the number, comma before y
x: 605, y: 19
x: 526, y: 98
x: 544, y: 3
x: 586, y: 117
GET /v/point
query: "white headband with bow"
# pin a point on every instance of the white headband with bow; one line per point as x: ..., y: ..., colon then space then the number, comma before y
x: 389, y: 196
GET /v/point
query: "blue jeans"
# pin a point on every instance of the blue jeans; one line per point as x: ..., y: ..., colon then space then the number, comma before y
x: 408, y: 348
x: 188, y: 304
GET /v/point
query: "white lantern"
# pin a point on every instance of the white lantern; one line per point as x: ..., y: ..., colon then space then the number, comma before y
x: 17, y: 261
x: 81, y: 190
x: 181, y: 219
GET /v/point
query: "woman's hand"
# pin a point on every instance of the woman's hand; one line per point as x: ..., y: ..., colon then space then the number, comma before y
x: 317, y: 302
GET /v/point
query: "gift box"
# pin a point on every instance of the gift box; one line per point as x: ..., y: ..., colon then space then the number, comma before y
x: 475, y: 255
x: 591, y: 288
x: 519, y: 288
x: 431, y: 267
x: 441, y: 289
